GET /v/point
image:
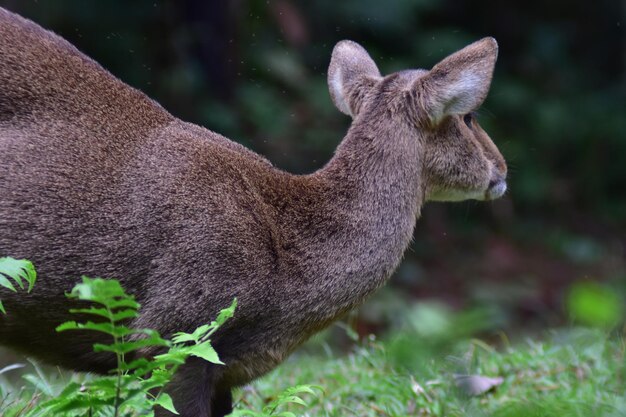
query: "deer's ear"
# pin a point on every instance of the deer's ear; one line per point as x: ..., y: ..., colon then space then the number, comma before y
x: 459, y: 83
x: 351, y: 73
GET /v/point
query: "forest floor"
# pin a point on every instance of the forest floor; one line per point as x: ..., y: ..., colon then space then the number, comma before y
x: 569, y: 373
x: 573, y: 372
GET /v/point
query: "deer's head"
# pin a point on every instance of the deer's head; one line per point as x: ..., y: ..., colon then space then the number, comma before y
x: 436, y: 109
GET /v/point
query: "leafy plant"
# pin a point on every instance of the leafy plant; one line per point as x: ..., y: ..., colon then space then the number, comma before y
x: 19, y: 270
x: 135, y: 387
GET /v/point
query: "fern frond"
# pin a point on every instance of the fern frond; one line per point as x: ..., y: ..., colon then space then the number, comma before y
x: 18, y: 270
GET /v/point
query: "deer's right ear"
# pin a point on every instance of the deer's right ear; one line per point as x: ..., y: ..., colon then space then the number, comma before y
x: 350, y: 74
x: 459, y: 83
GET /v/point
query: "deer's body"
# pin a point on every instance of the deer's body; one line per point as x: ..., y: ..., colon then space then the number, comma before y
x: 97, y: 179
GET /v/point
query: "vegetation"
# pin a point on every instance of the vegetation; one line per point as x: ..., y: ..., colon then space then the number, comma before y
x: 19, y: 271
x: 134, y: 387
x: 577, y: 372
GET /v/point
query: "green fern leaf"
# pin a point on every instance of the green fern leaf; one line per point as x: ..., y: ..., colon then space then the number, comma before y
x: 19, y: 270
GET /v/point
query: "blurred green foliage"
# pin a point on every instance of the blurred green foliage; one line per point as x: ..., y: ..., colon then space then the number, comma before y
x: 596, y: 305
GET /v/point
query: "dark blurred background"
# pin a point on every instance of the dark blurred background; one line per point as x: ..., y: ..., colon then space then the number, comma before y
x: 255, y: 71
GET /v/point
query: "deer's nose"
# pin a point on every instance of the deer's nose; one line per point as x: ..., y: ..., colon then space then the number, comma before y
x: 496, y: 189
x: 494, y: 182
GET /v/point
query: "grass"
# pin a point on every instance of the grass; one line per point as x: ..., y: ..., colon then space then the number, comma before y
x: 571, y: 373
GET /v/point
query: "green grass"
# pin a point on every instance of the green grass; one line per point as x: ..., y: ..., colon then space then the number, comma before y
x: 574, y: 372
x: 570, y: 373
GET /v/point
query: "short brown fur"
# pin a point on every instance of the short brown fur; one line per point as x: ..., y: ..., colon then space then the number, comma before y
x: 97, y: 179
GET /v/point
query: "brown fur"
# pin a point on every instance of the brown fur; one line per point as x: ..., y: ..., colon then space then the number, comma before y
x: 97, y: 179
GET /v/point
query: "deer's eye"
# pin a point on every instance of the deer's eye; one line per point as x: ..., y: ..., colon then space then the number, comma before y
x: 468, y: 119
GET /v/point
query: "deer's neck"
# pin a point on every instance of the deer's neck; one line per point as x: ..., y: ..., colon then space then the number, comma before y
x: 372, y: 193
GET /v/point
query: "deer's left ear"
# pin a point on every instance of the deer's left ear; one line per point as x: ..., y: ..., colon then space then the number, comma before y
x: 351, y: 74
x: 459, y: 83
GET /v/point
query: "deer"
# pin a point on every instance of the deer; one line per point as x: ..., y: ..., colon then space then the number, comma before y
x: 98, y: 179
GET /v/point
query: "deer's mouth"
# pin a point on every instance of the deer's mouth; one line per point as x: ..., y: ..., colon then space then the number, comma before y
x: 495, y: 189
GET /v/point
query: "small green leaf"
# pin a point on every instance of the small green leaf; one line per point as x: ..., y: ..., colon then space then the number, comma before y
x: 293, y: 399
x: 299, y: 389
x: 107, y: 292
x: 226, y: 313
x: 130, y: 303
x: 68, y: 325
x: 18, y: 270
x: 206, y: 352
x: 165, y: 401
x: 176, y: 355
x: 183, y: 337
x: 4, y: 282
x: 103, y: 312
x: 196, y: 336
